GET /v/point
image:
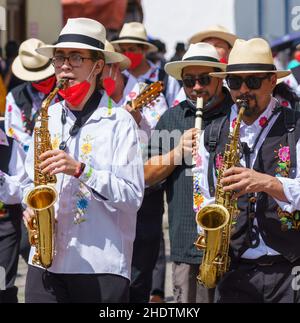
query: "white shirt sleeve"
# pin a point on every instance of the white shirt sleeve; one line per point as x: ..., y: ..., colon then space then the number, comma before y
x: 10, y: 190
x: 173, y: 89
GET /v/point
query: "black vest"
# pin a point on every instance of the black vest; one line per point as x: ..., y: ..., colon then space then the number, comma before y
x: 270, y: 227
x: 5, y: 153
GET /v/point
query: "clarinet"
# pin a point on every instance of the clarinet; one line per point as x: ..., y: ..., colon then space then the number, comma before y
x: 197, y: 197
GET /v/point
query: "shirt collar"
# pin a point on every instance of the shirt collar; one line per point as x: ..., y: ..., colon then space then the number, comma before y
x: 260, y: 122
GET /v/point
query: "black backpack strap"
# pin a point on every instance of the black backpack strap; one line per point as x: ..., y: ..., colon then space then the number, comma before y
x: 163, y: 77
x: 212, y: 140
x: 289, y: 117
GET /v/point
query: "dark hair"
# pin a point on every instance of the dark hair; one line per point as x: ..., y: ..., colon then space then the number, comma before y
x: 96, y: 55
x: 286, y: 92
x: 11, y: 49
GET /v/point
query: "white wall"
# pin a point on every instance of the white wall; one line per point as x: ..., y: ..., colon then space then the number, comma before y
x: 177, y: 20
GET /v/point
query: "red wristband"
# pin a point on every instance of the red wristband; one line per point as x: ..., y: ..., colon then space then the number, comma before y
x: 79, y: 170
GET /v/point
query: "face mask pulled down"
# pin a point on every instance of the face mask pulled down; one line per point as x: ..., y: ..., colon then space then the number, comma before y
x: 75, y: 94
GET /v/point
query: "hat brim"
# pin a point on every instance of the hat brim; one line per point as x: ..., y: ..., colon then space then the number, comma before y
x: 110, y: 57
x: 224, y: 74
x: 151, y: 48
x: 175, y: 68
x: 199, y: 37
x: 23, y: 74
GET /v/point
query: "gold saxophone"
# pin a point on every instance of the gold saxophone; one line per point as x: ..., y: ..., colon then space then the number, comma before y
x: 216, y: 219
x: 42, y: 198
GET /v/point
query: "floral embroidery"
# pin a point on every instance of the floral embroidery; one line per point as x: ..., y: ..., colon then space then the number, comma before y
x: 176, y: 102
x: 12, y: 134
x: 86, y: 149
x: 288, y: 220
x: 82, y: 204
x: 9, y: 109
x: 132, y: 95
x: 56, y: 141
x: 284, y: 103
x: 284, y: 154
x: 198, y: 161
x: 263, y: 121
x: 233, y: 123
x: 219, y: 161
x: 198, y: 198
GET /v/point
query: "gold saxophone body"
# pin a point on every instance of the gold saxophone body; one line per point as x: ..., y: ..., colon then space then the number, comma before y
x: 43, y: 196
x: 216, y: 219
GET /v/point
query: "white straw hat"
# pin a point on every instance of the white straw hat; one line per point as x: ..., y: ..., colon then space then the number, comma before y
x: 82, y: 33
x: 251, y: 56
x: 200, y: 54
x: 216, y: 31
x: 29, y: 65
x: 134, y: 33
x: 125, y: 61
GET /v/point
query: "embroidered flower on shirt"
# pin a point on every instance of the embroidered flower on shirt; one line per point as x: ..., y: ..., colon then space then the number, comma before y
x: 198, y: 198
x: 233, y: 123
x: 219, y: 161
x: 55, y: 141
x: 284, y: 103
x: 198, y: 161
x: 263, y: 121
x: 289, y: 220
x: 86, y: 148
x: 9, y: 109
x: 284, y: 153
x: 82, y: 204
x: 132, y: 95
x: 176, y: 102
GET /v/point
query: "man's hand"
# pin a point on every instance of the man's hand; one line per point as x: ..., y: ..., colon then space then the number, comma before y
x: 136, y: 114
x: 27, y: 215
x: 244, y: 180
x: 58, y: 161
x: 187, y: 144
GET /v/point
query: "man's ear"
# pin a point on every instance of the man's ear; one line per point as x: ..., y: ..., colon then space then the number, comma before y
x: 99, y: 66
x: 273, y: 80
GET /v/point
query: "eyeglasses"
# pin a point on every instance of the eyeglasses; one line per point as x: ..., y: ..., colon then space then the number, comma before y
x: 75, y: 60
x: 253, y: 82
x: 190, y: 81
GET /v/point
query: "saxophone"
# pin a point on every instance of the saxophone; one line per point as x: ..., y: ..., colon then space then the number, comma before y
x: 42, y: 198
x: 216, y: 219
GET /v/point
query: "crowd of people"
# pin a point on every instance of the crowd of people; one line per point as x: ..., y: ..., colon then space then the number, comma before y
x: 116, y: 166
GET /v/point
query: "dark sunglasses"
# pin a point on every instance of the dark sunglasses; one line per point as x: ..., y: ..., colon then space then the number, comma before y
x: 253, y: 82
x: 190, y: 81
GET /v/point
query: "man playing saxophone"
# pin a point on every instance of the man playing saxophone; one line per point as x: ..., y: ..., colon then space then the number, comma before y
x: 96, y: 160
x: 264, y: 239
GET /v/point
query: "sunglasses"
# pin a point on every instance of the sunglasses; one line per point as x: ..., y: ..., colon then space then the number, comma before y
x: 190, y: 81
x: 253, y: 82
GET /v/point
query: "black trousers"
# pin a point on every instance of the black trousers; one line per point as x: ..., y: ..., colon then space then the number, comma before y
x: 10, y: 235
x: 159, y: 272
x: 270, y: 279
x: 43, y: 286
x: 146, y: 246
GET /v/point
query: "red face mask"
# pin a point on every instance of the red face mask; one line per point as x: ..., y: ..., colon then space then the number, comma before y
x: 75, y: 93
x: 45, y: 86
x: 297, y: 56
x: 109, y: 85
x: 135, y: 59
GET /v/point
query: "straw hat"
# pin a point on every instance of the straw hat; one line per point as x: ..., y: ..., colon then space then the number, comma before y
x: 200, y: 54
x: 29, y: 65
x: 125, y: 63
x: 251, y: 56
x: 216, y: 31
x: 82, y: 33
x: 134, y: 33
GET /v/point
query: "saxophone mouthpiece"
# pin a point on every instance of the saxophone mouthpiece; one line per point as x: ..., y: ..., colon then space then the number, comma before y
x: 63, y: 83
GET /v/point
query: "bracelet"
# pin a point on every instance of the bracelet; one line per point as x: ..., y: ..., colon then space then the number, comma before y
x: 79, y: 170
